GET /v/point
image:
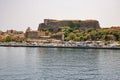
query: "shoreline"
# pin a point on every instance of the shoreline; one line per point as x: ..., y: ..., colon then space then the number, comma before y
x: 74, y: 47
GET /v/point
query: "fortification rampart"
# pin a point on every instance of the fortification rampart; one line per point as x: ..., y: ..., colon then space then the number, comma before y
x: 55, y: 24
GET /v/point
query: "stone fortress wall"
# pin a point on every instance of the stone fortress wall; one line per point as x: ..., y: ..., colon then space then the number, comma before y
x: 55, y: 24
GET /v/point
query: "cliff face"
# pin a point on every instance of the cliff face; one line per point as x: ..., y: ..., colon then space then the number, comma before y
x: 55, y: 24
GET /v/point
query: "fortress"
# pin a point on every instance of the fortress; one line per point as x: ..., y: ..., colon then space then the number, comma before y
x: 56, y: 24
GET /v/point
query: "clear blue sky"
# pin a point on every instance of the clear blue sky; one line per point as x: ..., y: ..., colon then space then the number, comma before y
x: 20, y: 14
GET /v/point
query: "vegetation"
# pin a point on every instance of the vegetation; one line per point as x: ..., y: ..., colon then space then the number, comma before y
x: 8, y: 39
x: 0, y: 39
x: 57, y: 35
x: 19, y: 39
x: 76, y: 34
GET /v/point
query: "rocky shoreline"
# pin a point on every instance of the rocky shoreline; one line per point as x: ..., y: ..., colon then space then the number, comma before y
x: 80, y: 45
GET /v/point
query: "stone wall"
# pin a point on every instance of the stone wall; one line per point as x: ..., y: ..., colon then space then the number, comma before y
x: 32, y: 34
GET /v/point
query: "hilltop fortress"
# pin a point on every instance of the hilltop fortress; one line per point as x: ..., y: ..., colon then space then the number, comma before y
x: 54, y: 25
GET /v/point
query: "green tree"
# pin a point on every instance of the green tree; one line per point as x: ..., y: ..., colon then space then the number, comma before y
x: 77, y: 38
x: 8, y: 39
x: 0, y: 39
x: 71, y: 36
x: 81, y: 38
x: 64, y: 29
x: 50, y: 30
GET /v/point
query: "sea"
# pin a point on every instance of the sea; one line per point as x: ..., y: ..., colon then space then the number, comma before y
x: 29, y: 63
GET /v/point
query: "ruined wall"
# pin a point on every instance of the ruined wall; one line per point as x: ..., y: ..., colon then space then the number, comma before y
x: 32, y: 34
x: 90, y: 24
x: 55, y: 24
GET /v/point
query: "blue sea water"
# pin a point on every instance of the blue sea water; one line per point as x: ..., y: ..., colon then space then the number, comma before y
x: 22, y: 63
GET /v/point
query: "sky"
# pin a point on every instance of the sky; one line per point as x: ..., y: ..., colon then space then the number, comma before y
x: 20, y: 14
